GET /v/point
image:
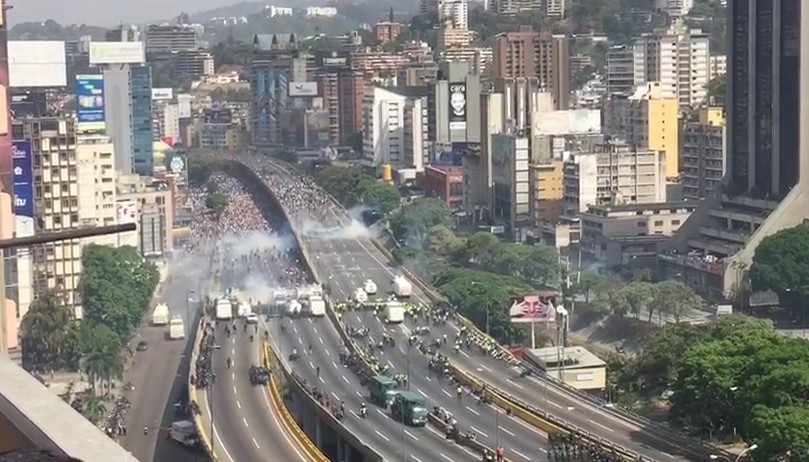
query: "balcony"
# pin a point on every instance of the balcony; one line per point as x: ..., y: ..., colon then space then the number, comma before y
x: 726, y: 235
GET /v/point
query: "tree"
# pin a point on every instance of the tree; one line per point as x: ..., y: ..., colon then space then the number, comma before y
x: 46, y: 330
x: 217, y: 203
x: 94, y: 408
x: 716, y: 89
x: 478, y: 246
x: 381, y: 196
x: 479, y: 295
x: 779, y: 264
x: 232, y: 52
x: 345, y: 184
x: 198, y: 172
x: 674, y: 299
x: 410, y: 223
x: 102, y: 367
x: 587, y: 281
x: 116, y: 287
x: 782, y: 433
x: 637, y: 296
x: 442, y: 241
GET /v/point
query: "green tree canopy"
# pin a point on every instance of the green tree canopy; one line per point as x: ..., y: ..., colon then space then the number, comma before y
x: 345, y: 184
x: 116, y: 287
x: 538, y: 265
x: 381, y: 196
x: 216, y: 202
x: 474, y: 293
x: 46, y: 330
x: 410, y: 223
x: 780, y: 265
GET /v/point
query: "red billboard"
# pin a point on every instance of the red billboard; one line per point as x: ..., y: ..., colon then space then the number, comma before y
x: 540, y: 307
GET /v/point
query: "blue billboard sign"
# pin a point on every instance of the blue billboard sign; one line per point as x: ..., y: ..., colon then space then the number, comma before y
x: 90, y: 102
x: 23, y: 179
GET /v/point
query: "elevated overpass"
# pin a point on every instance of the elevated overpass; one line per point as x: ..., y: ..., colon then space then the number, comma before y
x: 542, y: 395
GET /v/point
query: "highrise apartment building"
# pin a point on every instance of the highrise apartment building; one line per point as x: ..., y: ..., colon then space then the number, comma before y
x: 678, y: 58
x: 167, y: 39
x: 703, y: 154
x: 765, y: 188
x: 74, y: 186
x: 128, y: 116
x: 454, y: 14
x: 647, y: 119
x: 615, y: 172
x: 540, y: 54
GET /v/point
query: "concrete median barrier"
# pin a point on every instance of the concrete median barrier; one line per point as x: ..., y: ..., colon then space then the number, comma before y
x: 291, y: 427
x: 202, y: 429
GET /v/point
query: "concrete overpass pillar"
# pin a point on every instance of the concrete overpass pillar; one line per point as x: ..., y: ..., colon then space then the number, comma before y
x: 341, y: 453
x: 349, y: 452
x: 318, y: 433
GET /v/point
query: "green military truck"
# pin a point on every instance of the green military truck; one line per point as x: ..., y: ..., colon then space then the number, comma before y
x: 382, y: 390
x: 408, y: 407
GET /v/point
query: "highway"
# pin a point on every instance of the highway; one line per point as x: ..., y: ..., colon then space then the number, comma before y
x: 388, y: 437
x: 158, y: 374
x: 345, y: 263
x: 246, y: 426
x: 490, y: 424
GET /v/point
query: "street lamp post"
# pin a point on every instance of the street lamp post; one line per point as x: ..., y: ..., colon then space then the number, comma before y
x: 738, y: 458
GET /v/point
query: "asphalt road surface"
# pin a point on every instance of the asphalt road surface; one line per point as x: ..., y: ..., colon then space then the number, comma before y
x: 159, y: 373
x: 390, y: 438
x: 246, y: 426
x: 346, y: 263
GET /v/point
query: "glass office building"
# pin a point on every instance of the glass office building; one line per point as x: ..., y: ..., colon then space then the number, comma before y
x: 142, y: 130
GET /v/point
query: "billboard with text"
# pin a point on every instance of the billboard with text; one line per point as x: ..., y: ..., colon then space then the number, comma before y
x: 90, y: 102
x: 23, y: 188
x: 539, y: 307
x: 117, y: 53
x: 298, y: 89
x: 457, y: 106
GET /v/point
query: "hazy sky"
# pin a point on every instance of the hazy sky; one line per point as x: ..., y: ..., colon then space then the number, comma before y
x: 105, y: 12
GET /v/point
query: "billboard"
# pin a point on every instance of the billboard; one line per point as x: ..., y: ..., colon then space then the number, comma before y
x: 303, y: 89
x: 37, y: 63
x: 162, y: 94
x: 539, y: 307
x: 175, y: 161
x: 457, y: 106
x: 117, y: 53
x: 90, y: 102
x: 23, y: 187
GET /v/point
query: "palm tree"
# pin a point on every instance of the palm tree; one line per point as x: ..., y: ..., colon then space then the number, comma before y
x: 102, y: 366
x: 45, y: 331
x: 94, y: 408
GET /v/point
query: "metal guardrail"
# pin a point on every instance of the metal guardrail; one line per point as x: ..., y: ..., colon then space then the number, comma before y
x: 291, y: 426
x: 202, y: 430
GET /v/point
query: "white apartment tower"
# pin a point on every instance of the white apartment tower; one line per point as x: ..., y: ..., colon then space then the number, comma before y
x: 678, y: 58
x: 675, y: 8
x: 383, y: 127
x: 454, y: 13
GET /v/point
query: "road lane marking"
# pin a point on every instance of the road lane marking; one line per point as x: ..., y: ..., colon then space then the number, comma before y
x: 443, y: 391
x: 346, y: 380
x: 472, y: 410
x: 321, y: 340
x: 479, y: 432
x: 381, y: 435
x: 233, y: 375
x: 256, y: 443
x: 334, y: 364
x: 327, y: 352
x: 321, y: 380
x: 312, y: 364
x: 244, y: 419
x: 602, y: 426
x: 359, y: 394
x: 520, y: 454
x: 411, y: 435
x: 422, y: 393
x: 380, y: 412
x: 506, y: 431
x: 234, y: 390
x: 416, y: 459
x: 446, y: 458
x: 238, y: 404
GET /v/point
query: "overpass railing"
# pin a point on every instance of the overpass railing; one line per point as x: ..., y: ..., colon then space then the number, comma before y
x: 313, y: 453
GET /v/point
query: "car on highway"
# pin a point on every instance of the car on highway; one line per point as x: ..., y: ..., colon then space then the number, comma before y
x: 251, y: 318
x: 142, y: 346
